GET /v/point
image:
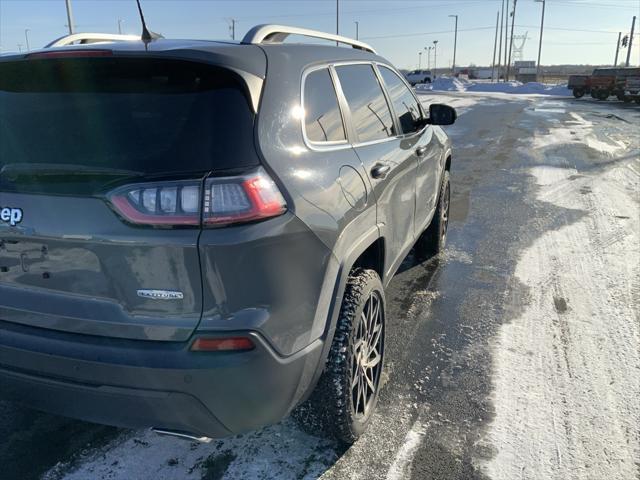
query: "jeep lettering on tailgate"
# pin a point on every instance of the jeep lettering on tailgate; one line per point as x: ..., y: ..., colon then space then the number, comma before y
x: 12, y: 216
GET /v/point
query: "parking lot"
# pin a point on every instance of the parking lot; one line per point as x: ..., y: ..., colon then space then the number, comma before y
x: 513, y: 355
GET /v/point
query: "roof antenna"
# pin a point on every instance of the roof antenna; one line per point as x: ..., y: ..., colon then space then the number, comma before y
x: 146, y: 34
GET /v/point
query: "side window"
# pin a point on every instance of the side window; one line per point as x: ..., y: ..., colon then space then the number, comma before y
x: 404, y: 103
x: 323, y: 121
x: 370, y: 113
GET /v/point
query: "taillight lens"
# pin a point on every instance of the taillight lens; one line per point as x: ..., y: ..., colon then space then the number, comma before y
x: 241, y: 199
x: 227, y: 200
x: 227, y: 344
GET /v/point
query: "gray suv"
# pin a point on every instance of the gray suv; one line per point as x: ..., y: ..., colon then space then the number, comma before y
x: 195, y: 236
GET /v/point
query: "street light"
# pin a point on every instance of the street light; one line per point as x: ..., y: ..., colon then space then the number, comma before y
x: 428, y: 49
x: 26, y: 37
x: 357, y: 28
x: 419, y: 60
x: 435, y: 58
x: 455, y: 46
x: 540, y: 45
x: 120, y: 26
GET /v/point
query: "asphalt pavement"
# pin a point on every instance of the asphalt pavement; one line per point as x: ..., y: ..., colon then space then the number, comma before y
x: 437, y: 416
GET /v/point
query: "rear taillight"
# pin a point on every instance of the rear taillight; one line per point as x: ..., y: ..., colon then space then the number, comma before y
x: 241, y: 199
x: 226, y: 200
x: 224, y: 344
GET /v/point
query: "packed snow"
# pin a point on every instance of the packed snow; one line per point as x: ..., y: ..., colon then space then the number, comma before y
x: 567, y: 371
x: 453, y: 84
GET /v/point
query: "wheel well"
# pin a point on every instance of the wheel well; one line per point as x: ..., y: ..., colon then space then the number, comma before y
x: 372, y: 257
x: 447, y: 165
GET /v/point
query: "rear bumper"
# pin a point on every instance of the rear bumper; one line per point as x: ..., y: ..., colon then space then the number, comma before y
x: 152, y: 384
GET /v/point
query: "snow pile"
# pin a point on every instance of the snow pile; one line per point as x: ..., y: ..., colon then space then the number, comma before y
x: 449, y: 84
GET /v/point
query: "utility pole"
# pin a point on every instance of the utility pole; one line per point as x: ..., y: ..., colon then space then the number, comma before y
x: 495, y: 46
x: 428, y: 49
x: 435, y: 58
x: 232, y: 28
x: 540, y: 45
x: 120, y: 26
x: 70, y: 17
x: 506, y: 35
x: 633, y: 28
x: 500, y: 49
x: 513, y: 24
x: 615, y: 62
x: 357, y: 28
x: 337, y: 19
x: 455, y: 46
x: 419, y: 60
x: 26, y: 37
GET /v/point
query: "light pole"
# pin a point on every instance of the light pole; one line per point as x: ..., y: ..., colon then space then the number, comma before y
x: 513, y: 24
x: 120, y: 26
x: 435, y: 58
x: 455, y: 47
x: 428, y: 49
x: 544, y: 3
x: 69, y: 17
x: 615, y: 62
x: 26, y: 37
x: 357, y: 28
x: 19, y: 48
x: 419, y: 60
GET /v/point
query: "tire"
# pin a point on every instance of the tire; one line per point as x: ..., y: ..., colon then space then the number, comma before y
x: 638, y: 101
x: 594, y: 94
x: 603, y: 94
x: 620, y: 97
x: 626, y: 99
x: 434, y: 238
x: 578, y: 92
x: 343, y: 401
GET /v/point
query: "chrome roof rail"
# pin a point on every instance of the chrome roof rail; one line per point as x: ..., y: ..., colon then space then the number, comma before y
x: 91, y: 38
x: 278, y: 33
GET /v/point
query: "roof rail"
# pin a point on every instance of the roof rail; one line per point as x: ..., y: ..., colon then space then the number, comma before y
x: 91, y: 38
x: 278, y: 33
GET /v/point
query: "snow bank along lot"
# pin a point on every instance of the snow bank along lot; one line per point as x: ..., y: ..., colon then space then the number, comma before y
x: 546, y: 196
x: 448, y: 84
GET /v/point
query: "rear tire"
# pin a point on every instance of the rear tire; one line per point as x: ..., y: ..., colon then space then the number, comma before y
x: 603, y: 94
x: 578, y: 92
x: 434, y: 238
x: 347, y: 393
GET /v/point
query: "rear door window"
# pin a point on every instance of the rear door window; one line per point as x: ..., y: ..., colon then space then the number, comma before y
x: 74, y: 126
x: 323, y: 120
x: 405, y: 105
x: 370, y: 113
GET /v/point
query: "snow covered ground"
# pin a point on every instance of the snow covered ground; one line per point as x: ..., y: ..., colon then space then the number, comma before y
x: 567, y: 371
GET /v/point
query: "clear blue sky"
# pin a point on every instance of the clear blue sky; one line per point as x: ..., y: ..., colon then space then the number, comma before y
x: 576, y: 31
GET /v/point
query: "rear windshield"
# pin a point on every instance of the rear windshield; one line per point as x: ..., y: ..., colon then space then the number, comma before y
x: 77, y: 125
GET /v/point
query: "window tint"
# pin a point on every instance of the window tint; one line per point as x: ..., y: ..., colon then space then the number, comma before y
x: 109, y: 115
x: 404, y: 103
x: 369, y: 110
x: 323, y: 122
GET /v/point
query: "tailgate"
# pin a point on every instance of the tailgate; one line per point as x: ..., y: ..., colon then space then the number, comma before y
x: 101, y: 166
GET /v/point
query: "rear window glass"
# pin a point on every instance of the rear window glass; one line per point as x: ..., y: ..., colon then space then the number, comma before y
x: 106, y: 117
x: 323, y: 121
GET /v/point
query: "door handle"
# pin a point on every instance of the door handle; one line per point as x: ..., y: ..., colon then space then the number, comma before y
x: 380, y: 170
x: 420, y: 151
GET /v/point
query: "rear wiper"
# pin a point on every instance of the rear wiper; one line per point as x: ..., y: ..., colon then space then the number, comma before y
x: 13, y: 170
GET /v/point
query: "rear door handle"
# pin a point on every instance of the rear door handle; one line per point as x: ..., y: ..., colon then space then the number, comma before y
x: 380, y: 170
x: 420, y: 151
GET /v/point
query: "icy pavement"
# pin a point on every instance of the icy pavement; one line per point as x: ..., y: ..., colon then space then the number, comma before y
x: 514, y: 355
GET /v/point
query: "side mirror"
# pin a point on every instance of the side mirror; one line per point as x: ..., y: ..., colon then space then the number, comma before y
x: 442, y: 114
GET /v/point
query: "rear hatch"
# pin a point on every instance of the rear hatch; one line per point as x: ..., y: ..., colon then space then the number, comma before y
x: 102, y: 161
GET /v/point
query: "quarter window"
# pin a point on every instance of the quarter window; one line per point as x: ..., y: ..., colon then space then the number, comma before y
x: 323, y: 122
x: 370, y: 113
x: 404, y: 103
